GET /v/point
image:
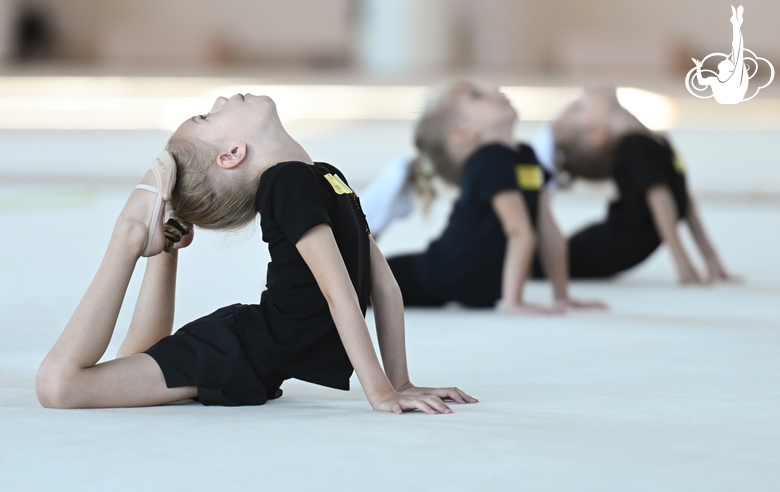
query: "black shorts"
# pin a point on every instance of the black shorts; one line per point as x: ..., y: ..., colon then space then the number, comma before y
x: 602, y: 251
x: 413, y: 291
x: 209, y: 353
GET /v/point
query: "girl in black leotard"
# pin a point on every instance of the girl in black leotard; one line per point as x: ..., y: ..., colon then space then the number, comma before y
x: 596, y: 138
x: 219, y: 171
x: 485, y: 253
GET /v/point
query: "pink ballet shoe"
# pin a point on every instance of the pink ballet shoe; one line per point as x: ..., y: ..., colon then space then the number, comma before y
x: 164, y: 170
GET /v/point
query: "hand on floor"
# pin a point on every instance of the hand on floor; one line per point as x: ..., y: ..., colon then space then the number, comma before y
x: 447, y: 394
x: 573, y: 303
x: 399, y: 403
x: 528, y: 309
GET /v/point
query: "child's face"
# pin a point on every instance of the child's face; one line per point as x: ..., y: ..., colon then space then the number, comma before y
x: 483, y: 112
x: 588, y: 118
x: 240, y: 118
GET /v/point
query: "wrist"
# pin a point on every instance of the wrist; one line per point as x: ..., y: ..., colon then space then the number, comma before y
x: 405, y: 386
x: 504, y: 304
x: 377, y: 399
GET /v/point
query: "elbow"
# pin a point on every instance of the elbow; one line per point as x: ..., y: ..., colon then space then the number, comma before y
x: 385, y: 288
x: 525, y: 237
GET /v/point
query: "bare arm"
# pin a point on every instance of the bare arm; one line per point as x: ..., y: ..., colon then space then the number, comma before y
x: 520, y: 243
x: 715, y: 267
x: 388, y: 307
x: 664, y: 212
x: 554, y: 254
x: 389, y: 315
x: 553, y: 250
x: 320, y: 252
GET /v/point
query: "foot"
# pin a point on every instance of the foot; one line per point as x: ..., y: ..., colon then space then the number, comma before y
x: 134, y: 222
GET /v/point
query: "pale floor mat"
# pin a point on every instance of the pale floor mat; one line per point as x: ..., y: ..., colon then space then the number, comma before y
x: 672, y: 389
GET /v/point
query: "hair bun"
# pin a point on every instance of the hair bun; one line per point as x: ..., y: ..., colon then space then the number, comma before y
x: 175, y: 229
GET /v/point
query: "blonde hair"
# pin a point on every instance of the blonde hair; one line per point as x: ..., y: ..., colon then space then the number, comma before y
x: 575, y: 153
x: 432, y: 139
x: 204, y: 195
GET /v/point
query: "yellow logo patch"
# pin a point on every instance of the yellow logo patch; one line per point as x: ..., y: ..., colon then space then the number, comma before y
x: 339, y: 186
x: 679, y: 164
x: 529, y: 176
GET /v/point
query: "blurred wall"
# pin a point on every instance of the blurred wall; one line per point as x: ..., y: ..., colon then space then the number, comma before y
x: 204, y: 31
x: 389, y: 36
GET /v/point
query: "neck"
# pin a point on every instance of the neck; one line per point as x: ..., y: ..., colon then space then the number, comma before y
x: 504, y: 134
x: 282, y: 148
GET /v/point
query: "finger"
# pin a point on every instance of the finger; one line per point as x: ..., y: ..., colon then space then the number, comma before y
x: 454, y: 395
x: 459, y: 396
x: 396, y: 409
x: 438, y: 405
x: 466, y: 397
x: 447, y: 393
x: 417, y: 405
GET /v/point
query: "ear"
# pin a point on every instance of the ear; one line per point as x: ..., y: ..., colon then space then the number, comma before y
x: 233, y: 158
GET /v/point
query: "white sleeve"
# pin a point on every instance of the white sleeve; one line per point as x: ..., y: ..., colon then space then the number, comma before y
x: 543, y: 144
x: 388, y: 196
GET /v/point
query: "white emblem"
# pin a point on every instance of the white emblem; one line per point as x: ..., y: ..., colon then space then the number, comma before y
x: 735, y: 70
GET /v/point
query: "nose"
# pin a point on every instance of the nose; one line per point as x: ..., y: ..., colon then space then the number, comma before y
x: 219, y: 102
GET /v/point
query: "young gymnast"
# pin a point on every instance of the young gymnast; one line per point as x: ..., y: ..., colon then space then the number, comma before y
x: 596, y: 138
x: 218, y: 171
x: 485, y: 253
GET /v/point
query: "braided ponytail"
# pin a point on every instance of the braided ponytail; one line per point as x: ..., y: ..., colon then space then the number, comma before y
x: 420, y: 179
x: 175, y: 229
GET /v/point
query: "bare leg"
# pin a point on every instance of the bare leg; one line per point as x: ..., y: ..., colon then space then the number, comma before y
x: 69, y: 376
x: 153, y: 315
x: 736, y: 35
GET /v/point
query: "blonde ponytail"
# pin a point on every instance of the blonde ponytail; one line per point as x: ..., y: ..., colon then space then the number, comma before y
x: 420, y: 180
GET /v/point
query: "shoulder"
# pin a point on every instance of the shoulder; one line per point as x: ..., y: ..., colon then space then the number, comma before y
x: 331, y: 169
x: 492, y: 153
x: 526, y: 154
x: 639, y: 143
x: 284, y: 178
x: 287, y: 173
x: 488, y: 158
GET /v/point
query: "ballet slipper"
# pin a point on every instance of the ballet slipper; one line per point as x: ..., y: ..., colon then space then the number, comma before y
x: 164, y: 170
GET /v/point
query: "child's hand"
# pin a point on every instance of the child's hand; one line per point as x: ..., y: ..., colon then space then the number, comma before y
x: 528, y: 309
x: 399, y: 403
x: 689, y: 276
x: 717, y: 273
x: 452, y: 394
x: 572, y: 303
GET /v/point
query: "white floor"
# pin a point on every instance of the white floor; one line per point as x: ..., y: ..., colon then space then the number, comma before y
x: 672, y: 389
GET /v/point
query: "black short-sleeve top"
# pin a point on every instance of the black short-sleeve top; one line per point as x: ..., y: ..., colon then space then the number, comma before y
x: 641, y: 162
x: 291, y: 332
x: 465, y: 263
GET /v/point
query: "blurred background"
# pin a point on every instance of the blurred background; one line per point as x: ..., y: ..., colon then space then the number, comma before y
x: 147, y: 65
x: 380, y: 37
x: 91, y: 89
x: 672, y: 386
